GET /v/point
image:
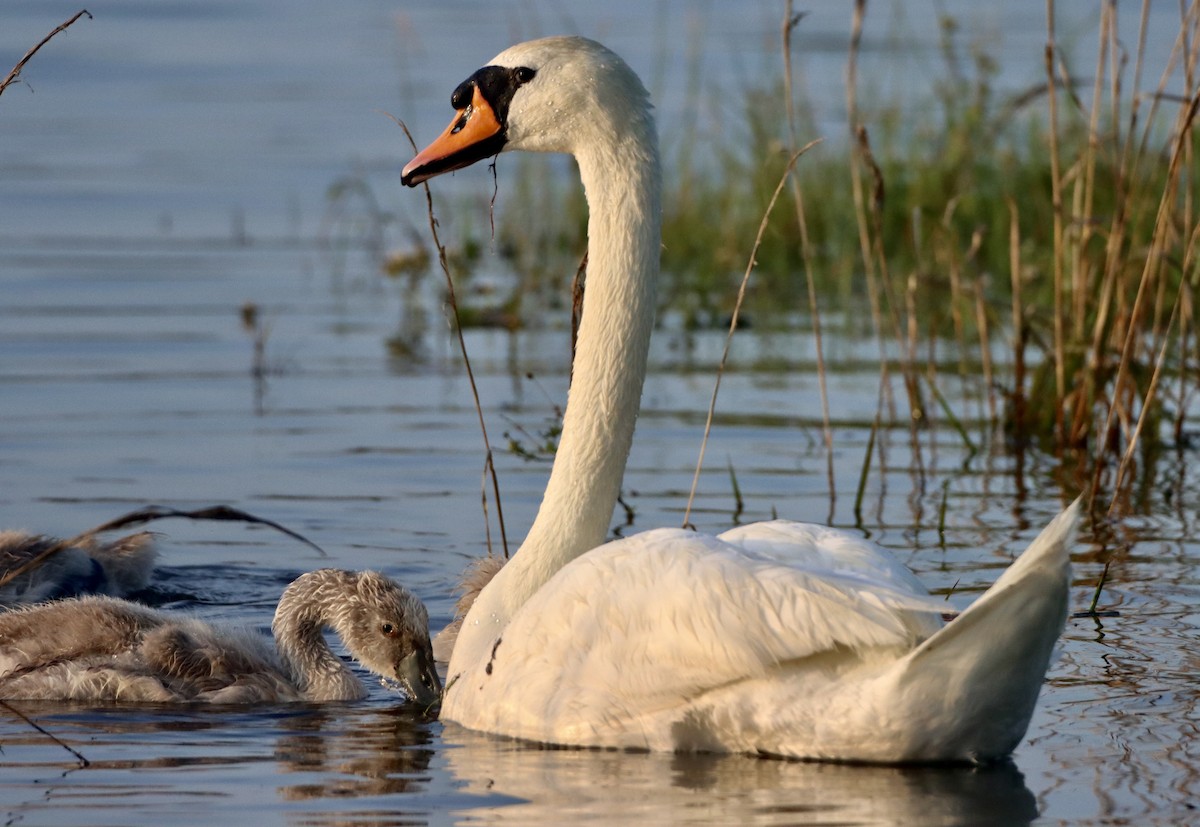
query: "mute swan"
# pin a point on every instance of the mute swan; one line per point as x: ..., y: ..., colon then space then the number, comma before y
x: 778, y: 638
x: 102, y: 648
x: 114, y: 568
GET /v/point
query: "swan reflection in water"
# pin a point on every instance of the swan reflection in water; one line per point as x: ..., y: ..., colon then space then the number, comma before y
x: 338, y: 764
x: 429, y: 771
x: 605, y: 786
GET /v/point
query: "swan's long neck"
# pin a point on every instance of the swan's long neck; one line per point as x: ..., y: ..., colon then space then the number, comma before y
x: 620, y: 170
x: 307, y: 606
x: 610, y: 366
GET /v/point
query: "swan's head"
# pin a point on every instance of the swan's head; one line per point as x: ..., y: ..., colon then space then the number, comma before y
x: 557, y: 94
x: 387, y: 631
x: 383, y: 625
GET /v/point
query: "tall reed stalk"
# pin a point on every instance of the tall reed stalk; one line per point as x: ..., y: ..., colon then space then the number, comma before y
x: 1049, y: 234
x: 790, y: 21
x: 1134, y: 290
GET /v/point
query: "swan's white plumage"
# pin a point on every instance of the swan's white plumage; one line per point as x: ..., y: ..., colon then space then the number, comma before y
x: 707, y: 616
x: 819, y: 546
x: 672, y: 640
x: 780, y: 638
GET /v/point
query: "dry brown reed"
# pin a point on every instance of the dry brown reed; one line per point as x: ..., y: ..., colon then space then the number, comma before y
x: 870, y: 194
x: 1093, y: 364
x: 489, y: 463
x: 1122, y: 284
x: 790, y: 21
x: 13, y: 75
x: 150, y: 513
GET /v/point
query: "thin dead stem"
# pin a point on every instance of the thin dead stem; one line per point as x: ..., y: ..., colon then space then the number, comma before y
x: 1020, y: 332
x: 16, y: 70
x: 865, y: 471
x: 150, y: 513
x: 874, y: 230
x: 869, y: 220
x: 790, y: 21
x: 857, y: 190
x: 1147, y: 402
x: 1150, y: 272
x: 578, y: 287
x: 1056, y: 198
x: 83, y: 762
x: 489, y: 466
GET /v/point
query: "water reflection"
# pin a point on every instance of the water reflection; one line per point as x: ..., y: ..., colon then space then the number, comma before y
x: 304, y: 761
x: 555, y: 785
x: 358, y: 764
x: 376, y: 752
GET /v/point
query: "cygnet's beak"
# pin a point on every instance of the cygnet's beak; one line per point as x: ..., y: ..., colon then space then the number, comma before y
x: 418, y: 675
x: 474, y: 134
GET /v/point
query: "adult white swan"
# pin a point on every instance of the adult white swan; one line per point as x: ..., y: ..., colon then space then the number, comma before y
x: 780, y: 638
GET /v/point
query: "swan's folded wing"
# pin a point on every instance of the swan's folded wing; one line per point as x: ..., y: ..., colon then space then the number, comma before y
x: 668, y: 615
x: 822, y: 548
x: 832, y: 552
x: 199, y: 661
x: 69, y: 629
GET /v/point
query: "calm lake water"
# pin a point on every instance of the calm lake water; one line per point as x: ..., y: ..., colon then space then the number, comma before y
x: 172, y: 165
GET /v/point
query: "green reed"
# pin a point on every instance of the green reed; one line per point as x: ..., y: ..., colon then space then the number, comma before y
x: 1045, y: 238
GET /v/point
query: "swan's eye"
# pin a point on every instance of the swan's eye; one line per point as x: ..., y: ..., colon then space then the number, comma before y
x: 388, y: 629
x: 524, y: 74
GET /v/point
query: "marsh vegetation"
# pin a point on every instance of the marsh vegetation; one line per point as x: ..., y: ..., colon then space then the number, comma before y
x: 1025, y: 261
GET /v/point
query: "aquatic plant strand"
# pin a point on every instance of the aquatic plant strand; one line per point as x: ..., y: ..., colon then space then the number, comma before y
x: 489, y: 465
x: 16, y: 70
x: 221, y: 513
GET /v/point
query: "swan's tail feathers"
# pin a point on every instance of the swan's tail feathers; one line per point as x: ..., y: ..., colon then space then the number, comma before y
x: 978, y: 678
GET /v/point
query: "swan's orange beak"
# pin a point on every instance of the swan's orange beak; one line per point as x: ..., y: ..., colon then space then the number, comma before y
x: 474, y: 134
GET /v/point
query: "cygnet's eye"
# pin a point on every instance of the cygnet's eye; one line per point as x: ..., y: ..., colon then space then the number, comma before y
x: 524, y: 74
x: 388, y: 629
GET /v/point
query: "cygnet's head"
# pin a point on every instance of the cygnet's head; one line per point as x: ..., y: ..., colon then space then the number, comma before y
x: 383, y: 625
x: 393, y: 624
